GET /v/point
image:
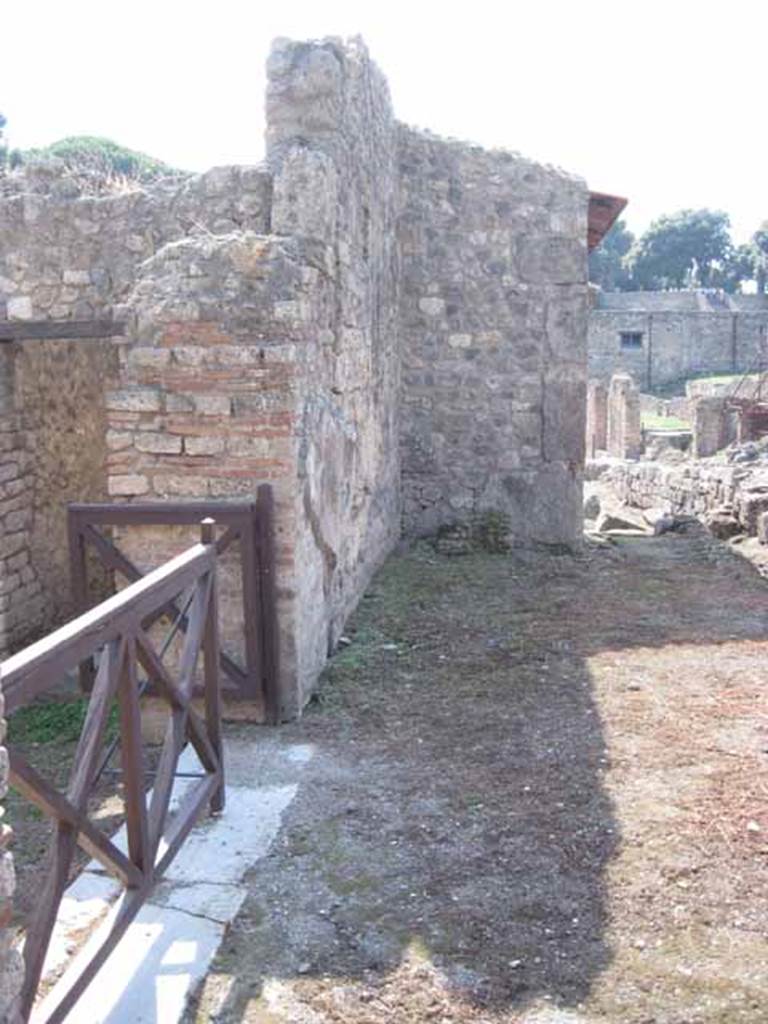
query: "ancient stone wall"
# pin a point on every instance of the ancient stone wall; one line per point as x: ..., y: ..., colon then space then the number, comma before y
x: 681, y: 334
x: 714, y: 426
x: 597, y: 417
x: 703, y: 489
x: 22, y: 602
x: 59, y: 392
x: 268, y: 313
x: 332, y: 148
x: 494, y: 303
x: 68, y: 256
x: 691, y: 489
x: 257, y: 358
x: 623, y: 430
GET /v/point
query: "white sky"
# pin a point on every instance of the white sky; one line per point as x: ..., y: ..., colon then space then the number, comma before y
x: 661, y: 101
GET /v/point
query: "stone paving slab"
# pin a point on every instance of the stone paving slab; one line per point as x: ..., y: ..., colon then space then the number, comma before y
x: 166, y: 951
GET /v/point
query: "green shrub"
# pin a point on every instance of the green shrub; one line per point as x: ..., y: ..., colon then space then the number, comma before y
x: 92, y: 155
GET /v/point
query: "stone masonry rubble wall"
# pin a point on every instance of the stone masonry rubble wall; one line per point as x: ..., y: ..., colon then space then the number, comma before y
x: 713, y: 426
x: 623, y: 431
x: 597, y: 417
x: 22, y: 603
x: 494, y: 305
x: 269, y: 311
x: 690, y: 489
x: 694, y: 489
x: 332, y: 148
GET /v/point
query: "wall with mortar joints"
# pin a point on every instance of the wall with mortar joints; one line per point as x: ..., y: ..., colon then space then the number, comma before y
x: 254, y: 357
x: 493, y: 315
x: 66, y: 256
x: 694, y: 489
x: 332, y: 149
x: 206, y: 403
x: 59, y: 392
x: 274, y: 358
x: 21, y: 593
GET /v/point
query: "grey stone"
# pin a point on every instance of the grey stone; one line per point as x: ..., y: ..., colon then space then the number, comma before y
x: 592, y: 507
x: 612, y: 520
x: 723, y: 524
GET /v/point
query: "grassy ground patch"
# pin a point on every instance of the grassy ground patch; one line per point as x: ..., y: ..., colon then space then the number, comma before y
x: 651, y: 421
x: 537, y: 794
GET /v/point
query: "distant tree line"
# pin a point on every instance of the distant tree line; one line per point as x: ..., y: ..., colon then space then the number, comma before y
x: 685, y: 250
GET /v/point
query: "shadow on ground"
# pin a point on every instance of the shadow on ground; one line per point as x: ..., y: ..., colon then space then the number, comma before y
x: 448, y: 855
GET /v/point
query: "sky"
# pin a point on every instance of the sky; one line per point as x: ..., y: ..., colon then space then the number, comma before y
x: 660, y: 102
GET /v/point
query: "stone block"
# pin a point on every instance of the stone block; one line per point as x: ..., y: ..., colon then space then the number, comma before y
x: 134, y: 400
x: 128, y: 485
x: 204, y: 445
x: 19, y: 307
x: 212, y: 405
x: 149, y: 358
x: 157, y: 444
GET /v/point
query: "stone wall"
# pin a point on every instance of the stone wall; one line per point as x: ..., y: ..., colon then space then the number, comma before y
x: 713, y: 426
x: 691, y: 489
x: 289, y: 373
x: 332, y: 148
x: 269, y: 312
x: 59, y: 393
x: 52, y: 447
x: 494, y: 303
x: 682, y: 334
x: 597, y: 418
x: 623, y: 429
x: 68, y: 256
x: 22, y: 603
x: 696, y: 488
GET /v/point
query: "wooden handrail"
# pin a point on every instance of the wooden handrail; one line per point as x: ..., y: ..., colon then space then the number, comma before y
x: 34, y: 669
x: 246, y: 524
x: 118, y: 629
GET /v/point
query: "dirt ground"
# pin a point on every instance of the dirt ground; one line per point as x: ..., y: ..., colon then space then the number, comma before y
x: 539, y: 795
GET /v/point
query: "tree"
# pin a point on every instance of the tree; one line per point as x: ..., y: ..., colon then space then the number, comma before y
x: 738, y: 266
x: 607, y: 262
x: 681, y: 250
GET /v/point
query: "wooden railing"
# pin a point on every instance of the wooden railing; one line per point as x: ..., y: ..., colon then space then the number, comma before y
x: 117, y: 631
x: 247, y: 528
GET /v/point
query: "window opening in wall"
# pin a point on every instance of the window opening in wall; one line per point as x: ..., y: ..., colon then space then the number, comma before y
x: 631, y: 339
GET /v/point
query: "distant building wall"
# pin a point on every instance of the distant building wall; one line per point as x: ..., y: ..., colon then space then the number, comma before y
x: 680, y: 334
